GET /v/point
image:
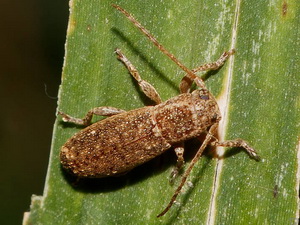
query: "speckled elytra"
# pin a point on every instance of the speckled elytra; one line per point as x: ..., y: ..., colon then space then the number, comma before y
x: 124, y: 140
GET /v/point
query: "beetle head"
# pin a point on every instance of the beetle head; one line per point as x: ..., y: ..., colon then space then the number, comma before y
x: 206, y: 106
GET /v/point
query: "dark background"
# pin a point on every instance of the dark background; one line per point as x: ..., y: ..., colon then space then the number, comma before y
x: 31, y: 56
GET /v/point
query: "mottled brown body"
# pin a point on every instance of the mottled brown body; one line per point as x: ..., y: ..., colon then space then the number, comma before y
x: 127, y: 139
x: 119, y: 143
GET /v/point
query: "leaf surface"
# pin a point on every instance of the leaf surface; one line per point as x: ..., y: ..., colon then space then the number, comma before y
x: 259, y: 94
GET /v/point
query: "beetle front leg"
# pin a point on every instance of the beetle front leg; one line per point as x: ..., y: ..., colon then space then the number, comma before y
x: 237, y: 143
x: 146, y: 87
x: 179, y: 150
x: 186, y: 82
x: 100, y: 111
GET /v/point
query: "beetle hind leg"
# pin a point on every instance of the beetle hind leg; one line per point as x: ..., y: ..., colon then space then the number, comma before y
x: 146, y: 87
x: 100, y: 111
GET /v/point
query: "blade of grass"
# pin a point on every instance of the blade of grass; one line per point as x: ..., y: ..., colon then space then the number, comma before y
x: 263, y: 109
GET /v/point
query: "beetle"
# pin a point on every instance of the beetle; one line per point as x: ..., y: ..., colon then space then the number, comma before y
x: 124, y: 140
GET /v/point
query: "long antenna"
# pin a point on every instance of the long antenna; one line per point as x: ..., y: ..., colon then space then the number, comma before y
x: 189, y: 169
x: 190, y: 73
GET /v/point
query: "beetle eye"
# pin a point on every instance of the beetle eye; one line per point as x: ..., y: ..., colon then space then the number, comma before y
x: 204, y: 97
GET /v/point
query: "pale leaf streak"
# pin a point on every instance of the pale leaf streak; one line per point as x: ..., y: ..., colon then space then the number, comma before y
x: 298, y: 175
x: 223, y: 102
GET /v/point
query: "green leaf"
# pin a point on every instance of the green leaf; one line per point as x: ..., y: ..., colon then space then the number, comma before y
x: 258, y: 91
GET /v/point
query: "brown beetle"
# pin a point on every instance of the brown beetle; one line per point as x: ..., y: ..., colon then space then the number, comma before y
x: 125, y: 140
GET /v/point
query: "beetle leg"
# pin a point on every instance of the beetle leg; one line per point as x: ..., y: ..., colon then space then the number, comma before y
x: 185, y: 86
x: 237, y: 143
x: 100, y: 111
x: 206, y: 141
x: 187, y: 82
x: 179, y: 150
x: 217, y: 64
x: 146, y: 87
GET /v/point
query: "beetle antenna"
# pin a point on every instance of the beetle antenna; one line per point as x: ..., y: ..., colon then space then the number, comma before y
x: 189, y: 169
x: 190, y: 73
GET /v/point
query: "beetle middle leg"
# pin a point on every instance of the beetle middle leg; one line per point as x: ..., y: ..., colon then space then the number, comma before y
x: 206, y: 141
x: 150, y: 92
x: 186, y: 81
x: 179, y: 150
x: 190, y: 74
x: 100, y: 111
x: 146, y: 87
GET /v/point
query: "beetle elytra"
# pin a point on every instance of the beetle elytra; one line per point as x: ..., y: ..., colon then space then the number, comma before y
x: 124, y: 140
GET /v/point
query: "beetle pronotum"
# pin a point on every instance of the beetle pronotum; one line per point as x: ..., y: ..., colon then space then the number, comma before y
x: 124, y: 140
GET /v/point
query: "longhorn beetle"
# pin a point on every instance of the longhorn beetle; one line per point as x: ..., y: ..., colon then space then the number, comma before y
x: 124, y: 140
